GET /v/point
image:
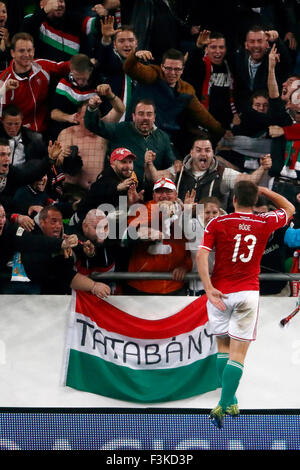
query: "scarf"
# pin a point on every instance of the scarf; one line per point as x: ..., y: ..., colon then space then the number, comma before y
x: 292, y: 159
x: 207, y: 83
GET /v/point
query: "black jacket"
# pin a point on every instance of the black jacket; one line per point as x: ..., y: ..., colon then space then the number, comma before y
x: 241, y: 73
x: 68, y: 25
x: 34, y: 145
x: 103, y: 191
x: 157, y: 27
x: 48, y: 267
x: 14, y: 238
x: 19, y: 176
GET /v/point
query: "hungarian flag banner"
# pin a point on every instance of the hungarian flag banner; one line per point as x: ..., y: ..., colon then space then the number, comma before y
x: 142, y: 349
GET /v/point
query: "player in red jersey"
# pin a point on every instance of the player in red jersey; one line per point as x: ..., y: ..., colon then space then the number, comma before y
x: 239, y: 240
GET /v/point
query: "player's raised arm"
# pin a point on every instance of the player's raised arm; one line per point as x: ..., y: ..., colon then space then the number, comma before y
x: 278, y: 200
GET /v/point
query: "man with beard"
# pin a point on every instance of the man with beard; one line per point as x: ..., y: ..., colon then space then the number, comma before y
x: 204, y: 173
x: 118, y: 179
x: 139, y: 135
x: 178, y: 110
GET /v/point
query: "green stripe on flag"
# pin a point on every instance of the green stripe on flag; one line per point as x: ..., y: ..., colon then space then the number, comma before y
x: 95, y: 375
x: 91, y: 26
x: 59, y: 45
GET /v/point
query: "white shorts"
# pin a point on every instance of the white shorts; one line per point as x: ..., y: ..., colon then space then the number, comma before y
x: 239, y: 320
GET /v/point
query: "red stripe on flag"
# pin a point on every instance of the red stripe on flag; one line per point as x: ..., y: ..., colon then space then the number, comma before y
x: 113, y: 319
x: 84, y: 24
x: 61, y: 34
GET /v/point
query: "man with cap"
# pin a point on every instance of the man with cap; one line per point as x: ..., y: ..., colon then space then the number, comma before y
x: 114, y: 181
x: 156, y: 248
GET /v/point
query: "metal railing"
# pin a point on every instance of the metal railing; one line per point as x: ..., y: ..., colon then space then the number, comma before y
x: 188, y: 277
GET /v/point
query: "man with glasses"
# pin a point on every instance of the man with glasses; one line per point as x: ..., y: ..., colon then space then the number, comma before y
x: 178, y: 110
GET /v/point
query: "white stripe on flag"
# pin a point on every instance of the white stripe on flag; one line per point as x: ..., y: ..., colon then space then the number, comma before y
x: 59, y: 39
x: 151, y: 307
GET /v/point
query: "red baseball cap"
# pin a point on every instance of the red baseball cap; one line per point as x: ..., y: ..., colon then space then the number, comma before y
x: 120, y: 154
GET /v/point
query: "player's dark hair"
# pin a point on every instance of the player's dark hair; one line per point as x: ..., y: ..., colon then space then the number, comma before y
x: 246, y: 193
x: 262, y: 201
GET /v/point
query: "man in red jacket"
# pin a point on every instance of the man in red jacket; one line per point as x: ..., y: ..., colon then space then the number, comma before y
x: 26, y: 82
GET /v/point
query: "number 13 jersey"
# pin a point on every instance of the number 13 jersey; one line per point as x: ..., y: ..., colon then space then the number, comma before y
x: 239, y: 240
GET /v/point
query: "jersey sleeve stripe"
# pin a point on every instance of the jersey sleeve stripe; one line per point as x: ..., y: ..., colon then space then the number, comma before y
x: 205, y: 247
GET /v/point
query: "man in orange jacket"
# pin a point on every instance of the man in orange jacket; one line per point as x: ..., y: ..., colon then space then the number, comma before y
x: 159, y: 247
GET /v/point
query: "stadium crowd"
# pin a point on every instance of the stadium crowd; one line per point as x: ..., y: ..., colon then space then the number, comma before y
x: 125, y: 125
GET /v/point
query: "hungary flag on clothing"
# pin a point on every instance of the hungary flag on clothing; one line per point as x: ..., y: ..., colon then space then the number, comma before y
x: 142, y: 349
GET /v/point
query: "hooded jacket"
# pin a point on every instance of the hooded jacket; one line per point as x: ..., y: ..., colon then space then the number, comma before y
x: 208, y: 184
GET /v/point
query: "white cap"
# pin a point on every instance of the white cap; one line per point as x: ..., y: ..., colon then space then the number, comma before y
x: 164, y: 183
